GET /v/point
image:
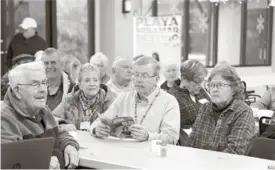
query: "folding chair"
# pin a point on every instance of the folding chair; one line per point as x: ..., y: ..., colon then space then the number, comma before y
x: 264, y: 122
x: 262, y: 148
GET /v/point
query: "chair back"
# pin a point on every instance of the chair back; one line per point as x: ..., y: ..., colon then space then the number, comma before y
x: 264, y: 122
x: 262, y: 148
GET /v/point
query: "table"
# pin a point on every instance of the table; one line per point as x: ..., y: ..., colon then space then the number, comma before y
x: 110, y: 153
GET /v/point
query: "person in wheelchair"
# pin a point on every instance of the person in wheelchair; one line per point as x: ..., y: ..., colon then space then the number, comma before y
x: 267, y: 101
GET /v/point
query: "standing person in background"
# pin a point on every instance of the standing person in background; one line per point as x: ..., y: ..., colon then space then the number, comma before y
x: 155, y: 55
x: 171, y: 74
x: 121, y: 81
x: 102, y: 62
x: 26, y: 42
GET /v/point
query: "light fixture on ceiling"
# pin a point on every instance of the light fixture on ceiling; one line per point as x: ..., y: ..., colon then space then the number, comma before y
x: 272, y: 3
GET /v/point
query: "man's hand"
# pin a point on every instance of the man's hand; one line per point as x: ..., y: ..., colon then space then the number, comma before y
x: 67, y: 127
x: 71, y: 157
x: 139, y: 132
x: 54, y: 163
x: 102, y: 130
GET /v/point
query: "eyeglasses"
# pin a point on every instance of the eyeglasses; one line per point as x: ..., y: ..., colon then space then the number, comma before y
x: 36, y: 84
x: 218, y: 85
x: 142, y: 75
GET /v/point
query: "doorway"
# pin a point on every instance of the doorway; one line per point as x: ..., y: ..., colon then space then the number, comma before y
x: 12, y: 14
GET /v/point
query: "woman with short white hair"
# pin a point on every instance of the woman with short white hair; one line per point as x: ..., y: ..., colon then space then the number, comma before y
x: 102, y: 62
x: 171, y: 73
x: 87, y: 99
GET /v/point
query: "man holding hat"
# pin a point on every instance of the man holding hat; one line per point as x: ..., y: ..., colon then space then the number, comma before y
x: 25, y: 42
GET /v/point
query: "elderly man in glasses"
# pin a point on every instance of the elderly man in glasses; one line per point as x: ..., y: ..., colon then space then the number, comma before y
x: 156, y: 113
x: 24, y: 114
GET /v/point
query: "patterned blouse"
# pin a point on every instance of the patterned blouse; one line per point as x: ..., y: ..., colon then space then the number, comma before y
x: 231, y: 133
x: 188, y: 108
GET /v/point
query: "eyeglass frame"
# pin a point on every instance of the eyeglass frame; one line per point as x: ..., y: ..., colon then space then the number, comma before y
x: 142, y: 77
x: 39, y: 83
x: 221, y: 85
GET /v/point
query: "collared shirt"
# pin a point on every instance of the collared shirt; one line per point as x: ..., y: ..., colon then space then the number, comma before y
x: 119, y: 90
x: 162, y: 120
x: 232, y: 133
x: 188, y: 108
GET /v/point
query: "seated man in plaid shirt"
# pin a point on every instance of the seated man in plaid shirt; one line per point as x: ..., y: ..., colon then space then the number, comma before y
x: 226, y: 124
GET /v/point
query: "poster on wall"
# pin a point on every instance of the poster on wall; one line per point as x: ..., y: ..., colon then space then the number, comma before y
x: 158, y: 34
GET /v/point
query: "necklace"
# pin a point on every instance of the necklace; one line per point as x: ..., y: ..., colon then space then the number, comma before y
x: 145, y: 114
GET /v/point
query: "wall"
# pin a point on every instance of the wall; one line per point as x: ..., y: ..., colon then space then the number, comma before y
x: 116, y: 38
x: 114, y: 30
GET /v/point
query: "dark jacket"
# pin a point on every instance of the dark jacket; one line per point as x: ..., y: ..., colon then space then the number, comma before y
x: 165, y: 87
x: 73, y: 111
x: 20, y: 45
x: 16, y: 124
x: 188, y: 108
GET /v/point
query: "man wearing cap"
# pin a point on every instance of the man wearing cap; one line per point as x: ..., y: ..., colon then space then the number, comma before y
x: 25, y: 42
x: 20, y: 59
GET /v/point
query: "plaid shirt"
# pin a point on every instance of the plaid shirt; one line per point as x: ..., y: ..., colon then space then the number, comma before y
x: 188, y: 108
x: 232, y: 133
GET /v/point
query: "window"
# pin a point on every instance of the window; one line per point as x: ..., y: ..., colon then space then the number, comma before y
x: 72, y: 28
x: 199, y: 30
x: 236, y: 31
x: 229, y: 32
x: 257, y: 33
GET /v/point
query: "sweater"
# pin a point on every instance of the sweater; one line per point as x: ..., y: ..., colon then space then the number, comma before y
x: 16, y: 124
x: 72, y: 111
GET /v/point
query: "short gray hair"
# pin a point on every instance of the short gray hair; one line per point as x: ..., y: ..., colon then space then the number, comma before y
x: 171, y: 63
x: 17, y: 74
x: 88, y: 67
x: 101, y: 57
x: 119, y: 59
x: 193, y: 70
x: 38, y: 55
x: 228, y: 73
x: 51, y: 51
x: 144, y: 60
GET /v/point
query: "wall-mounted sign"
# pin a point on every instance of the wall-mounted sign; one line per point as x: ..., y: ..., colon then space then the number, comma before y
x: 158, y: 34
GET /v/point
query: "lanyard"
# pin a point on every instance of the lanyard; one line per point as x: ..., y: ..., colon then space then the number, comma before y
x: 145, y: 114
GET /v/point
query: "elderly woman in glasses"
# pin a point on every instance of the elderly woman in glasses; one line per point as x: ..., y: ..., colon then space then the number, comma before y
x: 87, y: 99
x: 226, y: 124
x: 189, y: 92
